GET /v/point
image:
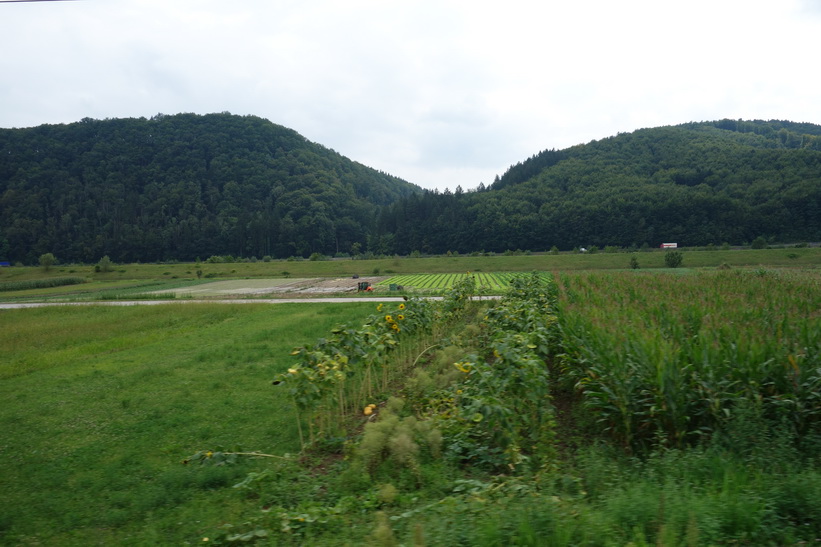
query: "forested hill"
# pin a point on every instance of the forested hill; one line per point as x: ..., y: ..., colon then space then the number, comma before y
x: 180, y: 187
x: 693, y: 184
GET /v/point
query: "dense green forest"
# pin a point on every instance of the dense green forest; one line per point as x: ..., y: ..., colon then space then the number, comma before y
x: 694, y: 184
x: 181, y: 187
x: 188, y: 186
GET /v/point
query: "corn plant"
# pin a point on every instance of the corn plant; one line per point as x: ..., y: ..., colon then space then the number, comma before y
x: 673, y: 357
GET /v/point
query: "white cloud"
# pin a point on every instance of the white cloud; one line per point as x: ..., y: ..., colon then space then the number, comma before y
x: 439, y: 92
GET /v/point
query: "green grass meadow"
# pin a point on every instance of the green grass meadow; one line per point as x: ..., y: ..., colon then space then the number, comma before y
x: 102, y: 403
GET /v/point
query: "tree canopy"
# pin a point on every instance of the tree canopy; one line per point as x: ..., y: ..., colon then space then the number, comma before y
x: 695, y: 184
x: 180, y: 187
x: 187, y: 186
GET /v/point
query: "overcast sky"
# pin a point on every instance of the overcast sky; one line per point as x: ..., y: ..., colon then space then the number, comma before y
x: 441, y: 93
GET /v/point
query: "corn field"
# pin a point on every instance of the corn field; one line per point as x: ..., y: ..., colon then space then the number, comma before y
x: 670, y: 358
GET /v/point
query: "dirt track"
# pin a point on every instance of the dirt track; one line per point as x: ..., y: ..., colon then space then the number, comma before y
x: 304, y: 300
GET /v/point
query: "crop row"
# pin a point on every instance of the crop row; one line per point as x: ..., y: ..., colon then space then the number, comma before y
x: 484, y: 281
x: 347, y: 368
x: 41, y: 283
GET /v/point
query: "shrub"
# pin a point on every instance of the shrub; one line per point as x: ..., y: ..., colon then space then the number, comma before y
x: 759, y: 243
x: 104, y: 265
x: 47, y: 260
x: 673, y: 259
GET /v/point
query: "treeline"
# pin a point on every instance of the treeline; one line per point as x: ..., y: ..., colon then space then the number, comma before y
x: 188, y: 186
x: 181, y: 187
x: 694, y: 184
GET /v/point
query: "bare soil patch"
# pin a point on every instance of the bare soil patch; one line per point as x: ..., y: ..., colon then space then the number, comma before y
x: 280, y: 286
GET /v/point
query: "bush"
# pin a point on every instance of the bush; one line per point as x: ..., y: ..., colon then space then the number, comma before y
x: 673, y: 259
x: 104, y: 265
x: 47, y: 260
x: 759, y: 243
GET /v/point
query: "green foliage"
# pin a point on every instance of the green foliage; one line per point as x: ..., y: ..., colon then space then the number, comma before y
x: 104, y: 265
x: 41, y: 283
x: 670, y: 359
x: 759, y: 243
x: 673, y: 259
x: 339, y: 374
x: 500, y: 414
x: 696, y: 183
x: 47, y: 260
x: 182, y: 186
x: 393, y: 443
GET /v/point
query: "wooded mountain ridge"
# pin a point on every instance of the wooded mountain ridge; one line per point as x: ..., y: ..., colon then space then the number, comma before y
x: 694, y: 184
x: 187, y: 186
x: 180, y: 187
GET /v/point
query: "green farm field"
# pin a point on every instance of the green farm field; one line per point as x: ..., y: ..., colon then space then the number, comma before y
x: 125, y: 281
x: 485, y: 282
x: 669, y: 407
